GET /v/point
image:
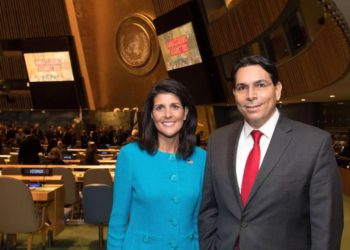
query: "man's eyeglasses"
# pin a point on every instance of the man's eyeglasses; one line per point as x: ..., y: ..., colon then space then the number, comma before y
x: 260, y: 85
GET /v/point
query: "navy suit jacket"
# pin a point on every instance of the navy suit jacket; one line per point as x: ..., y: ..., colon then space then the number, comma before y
x: 296, y: 200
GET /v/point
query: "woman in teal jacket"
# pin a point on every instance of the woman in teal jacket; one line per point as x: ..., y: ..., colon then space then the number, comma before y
x: 158, y: 180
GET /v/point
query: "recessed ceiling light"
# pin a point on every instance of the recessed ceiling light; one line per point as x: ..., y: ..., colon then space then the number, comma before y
x: 332, y: 96
x: 303, y: 99
x: 280, y: 102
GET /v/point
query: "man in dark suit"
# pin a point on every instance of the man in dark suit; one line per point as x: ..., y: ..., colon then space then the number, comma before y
x: 29, y: 149
x: 290, y: 197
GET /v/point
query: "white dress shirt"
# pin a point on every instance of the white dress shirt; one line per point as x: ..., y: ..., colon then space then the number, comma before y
x: 246, y: 142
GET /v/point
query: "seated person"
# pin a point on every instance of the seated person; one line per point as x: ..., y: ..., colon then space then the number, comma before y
x: 54, y: 157
x: 91, y: 155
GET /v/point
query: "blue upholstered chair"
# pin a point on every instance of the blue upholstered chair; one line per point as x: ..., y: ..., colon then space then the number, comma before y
x: 97, y: 205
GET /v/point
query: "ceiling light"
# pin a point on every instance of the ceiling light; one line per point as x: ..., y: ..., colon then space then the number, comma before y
x: 303, y: 99
x: 332, y: 96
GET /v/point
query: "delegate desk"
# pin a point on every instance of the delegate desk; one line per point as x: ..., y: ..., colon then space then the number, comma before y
x: 33, y: 178
x: 110, y: 150
x: 78, y: 171
x: 52, y: 193
x: 102, y: 161
x: 78, y: 167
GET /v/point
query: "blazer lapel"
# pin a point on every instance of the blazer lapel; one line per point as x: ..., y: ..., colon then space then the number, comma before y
x: 232, y: 144
x: 279, y: 142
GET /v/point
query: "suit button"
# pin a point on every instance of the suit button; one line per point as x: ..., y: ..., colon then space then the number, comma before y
x: 145, y: 239
x: 175, y: 199
x: 173, y: 245
x: 173, y: 177
x: 244, y: 225
x: 173, y: 222
x: 191, y: 237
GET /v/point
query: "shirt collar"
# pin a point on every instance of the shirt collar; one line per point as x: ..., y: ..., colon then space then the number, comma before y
x: 267, y: 129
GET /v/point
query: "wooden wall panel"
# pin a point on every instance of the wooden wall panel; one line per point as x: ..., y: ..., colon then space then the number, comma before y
x: 21, y: 19
x: 345, y: 180
x: 112, y: 85
x: 26, y: 19
x: 16, y: 100
x: 325, y: 61
x: 13, y: 68
x: 243, y: 23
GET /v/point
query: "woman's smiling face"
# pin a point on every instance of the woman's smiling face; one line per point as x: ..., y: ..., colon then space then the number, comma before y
x: 168, y: 115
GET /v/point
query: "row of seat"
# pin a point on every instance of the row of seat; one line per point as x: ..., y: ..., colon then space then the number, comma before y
x: 18, y: 212
x: 97, y: 195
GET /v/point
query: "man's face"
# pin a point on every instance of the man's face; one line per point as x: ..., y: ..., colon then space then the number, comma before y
x: 255, y: 94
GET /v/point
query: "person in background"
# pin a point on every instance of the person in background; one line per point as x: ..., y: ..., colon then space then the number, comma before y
x: 51, y: 138
x: 29, y: 149
x: 19, y: 136
x: 111, y: 134
x: 54, y: 157
x: 11, y: 136
x: 93, y: 136
x: 102, y: 137
x: 91, y: 155
x: 270, y: 182
x: 158, y: 180
x: 38, y: 132
x: 62, y: 147
x: 2, y: 137
x: 84, y: 138
x: 199, y: 137
x: 133, y: 137
x: 120, y: 136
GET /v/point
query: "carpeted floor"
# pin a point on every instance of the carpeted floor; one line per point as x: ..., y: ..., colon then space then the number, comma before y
x: 346, y: 233
x: 85, y: 237
x: 73, y: 237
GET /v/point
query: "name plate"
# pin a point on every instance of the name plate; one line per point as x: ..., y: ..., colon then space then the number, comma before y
x: 36, y: 171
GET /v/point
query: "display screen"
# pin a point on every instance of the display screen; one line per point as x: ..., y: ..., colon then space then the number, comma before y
x: 179, y: 47
x: 49, y: 66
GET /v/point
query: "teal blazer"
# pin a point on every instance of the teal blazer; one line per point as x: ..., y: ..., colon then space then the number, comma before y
x: 156, y: 200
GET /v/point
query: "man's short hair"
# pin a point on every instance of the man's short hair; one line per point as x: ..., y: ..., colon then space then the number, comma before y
x: 265, y: 63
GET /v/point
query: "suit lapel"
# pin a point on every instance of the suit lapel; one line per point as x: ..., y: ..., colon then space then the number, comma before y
x: 231, y: 163
x: 279, y: 142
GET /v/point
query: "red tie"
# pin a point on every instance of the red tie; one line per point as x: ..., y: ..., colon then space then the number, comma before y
x: 251, y: 167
